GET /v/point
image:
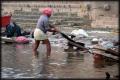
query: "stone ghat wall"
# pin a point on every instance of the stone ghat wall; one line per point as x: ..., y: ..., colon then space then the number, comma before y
x: 64, y: 19
x: 77, y: 14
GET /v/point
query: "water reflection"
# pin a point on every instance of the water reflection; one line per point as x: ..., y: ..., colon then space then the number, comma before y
x: 39, y: 67
x: 15, y: 57
x: 74, y: 56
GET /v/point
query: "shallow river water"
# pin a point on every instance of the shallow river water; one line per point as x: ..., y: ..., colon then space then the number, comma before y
x: 19, y: 62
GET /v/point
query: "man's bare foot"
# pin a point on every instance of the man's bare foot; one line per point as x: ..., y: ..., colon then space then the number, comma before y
x: 36, y: 54
x: 48, y: 57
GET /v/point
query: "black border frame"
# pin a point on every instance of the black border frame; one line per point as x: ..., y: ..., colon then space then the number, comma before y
x: 60, y: 78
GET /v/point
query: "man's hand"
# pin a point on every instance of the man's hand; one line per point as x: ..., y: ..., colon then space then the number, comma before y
x: 55, y: 30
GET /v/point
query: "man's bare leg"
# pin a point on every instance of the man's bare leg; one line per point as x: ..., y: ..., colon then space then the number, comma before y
x: 35, y: 47
x: 47, y: 42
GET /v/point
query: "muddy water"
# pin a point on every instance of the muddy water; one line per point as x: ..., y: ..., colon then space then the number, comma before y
x: 18, y: 62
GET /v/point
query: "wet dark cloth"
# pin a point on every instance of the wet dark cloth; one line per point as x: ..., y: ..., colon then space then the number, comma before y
x: 13, y: 31
x: 25, y: 33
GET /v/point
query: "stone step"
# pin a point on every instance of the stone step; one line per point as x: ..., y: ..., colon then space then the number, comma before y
x: 25, y: 20
x: 26, y: 16
x: 27, y: 13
